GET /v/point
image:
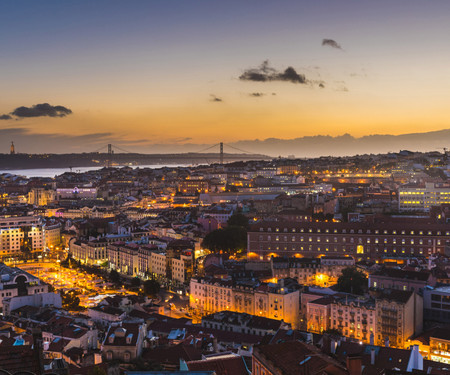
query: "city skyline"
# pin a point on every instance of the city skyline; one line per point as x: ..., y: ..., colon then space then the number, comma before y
x: 163, y: 76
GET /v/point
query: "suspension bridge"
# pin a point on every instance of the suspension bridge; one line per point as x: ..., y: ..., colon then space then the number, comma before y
x: 111, y: 149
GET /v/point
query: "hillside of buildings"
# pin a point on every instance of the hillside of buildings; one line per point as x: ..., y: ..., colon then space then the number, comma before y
x: 313, y: 266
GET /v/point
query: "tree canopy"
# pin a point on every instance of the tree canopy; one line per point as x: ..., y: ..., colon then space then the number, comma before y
x: 231, y: 239
x: 151, y: 287
x: 352, y: 281
x: 238, y: 220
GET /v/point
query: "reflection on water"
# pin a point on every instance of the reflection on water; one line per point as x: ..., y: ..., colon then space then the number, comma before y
x: 52, y: 172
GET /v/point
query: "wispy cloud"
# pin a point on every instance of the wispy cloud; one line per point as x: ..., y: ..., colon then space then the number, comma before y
x: 331, y: 43
x: 265, y: 73
x: 215, y: 98
x: 37, y: 110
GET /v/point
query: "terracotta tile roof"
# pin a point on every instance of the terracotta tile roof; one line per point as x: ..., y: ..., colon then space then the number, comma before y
x: 294, y: 357
x: 230, y: 365
x: 119, y: 335
x: 19, y: 358
x: 173, y: 354
x: 404, y: 274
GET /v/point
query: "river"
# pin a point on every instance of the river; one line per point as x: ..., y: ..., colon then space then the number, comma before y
x: 52, y: 172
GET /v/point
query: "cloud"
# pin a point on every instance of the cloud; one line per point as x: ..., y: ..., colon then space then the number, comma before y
x: 5, y: 117
x: 256, y: 94
x: 265, y: 73
x: 215, y: 98
x: 321, y: 85
x: 331, y: 43
x: 41, y: 110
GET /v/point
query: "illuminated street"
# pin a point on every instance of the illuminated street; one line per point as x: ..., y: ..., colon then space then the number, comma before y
x: 91, y: 288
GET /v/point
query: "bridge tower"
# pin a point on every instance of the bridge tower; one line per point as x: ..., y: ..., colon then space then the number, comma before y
x: 110, y: 152
x: 13, y: 151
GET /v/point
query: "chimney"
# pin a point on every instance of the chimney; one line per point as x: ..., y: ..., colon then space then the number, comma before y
x: 333, y: 346
x: 38, y: 349
x: 415, y: 359
x: 372, y: 356
x: 354, y: 365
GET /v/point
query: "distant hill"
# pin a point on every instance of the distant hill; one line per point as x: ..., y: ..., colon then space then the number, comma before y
x: 32, y: 161
x: 346, y: 144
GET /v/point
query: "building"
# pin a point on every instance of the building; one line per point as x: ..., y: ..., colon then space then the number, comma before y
x: 21, y: 234
x: 360, y: 240
x: 16, y: 282
x: 278, y: 301
x: 355, y: 317
x: 440, y: 345
x: 390, y: 278
x: 192, y: 187
x: 76, y: 193
x: 243, y: 323
x: 124, y: 258
x: 323, y: 271
x: 293, y: 358
x: 318, y: 314
x: 52, y: 235
x: 182, y: 269
x: 423, y: 197
x: 399, y: 316
x: 89, y: 252
x: 436, y: 304
x: 124, y: 342
x: 41, y: 197
x: 37, y: 300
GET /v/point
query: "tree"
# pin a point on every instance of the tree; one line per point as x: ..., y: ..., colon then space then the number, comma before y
x: 97, y: 370
x: 352, y: 281
x: 151, y: 287
x: 238, y: 220
x: 70, y: 300
x: 114, y: 276
x: 232, y: 239
x: 136, y: 281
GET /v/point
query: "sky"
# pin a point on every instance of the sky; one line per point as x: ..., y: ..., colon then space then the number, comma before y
x: 177, y: 75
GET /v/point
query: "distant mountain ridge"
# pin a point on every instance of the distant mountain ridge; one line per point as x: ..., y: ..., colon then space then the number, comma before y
x: 346, y: 145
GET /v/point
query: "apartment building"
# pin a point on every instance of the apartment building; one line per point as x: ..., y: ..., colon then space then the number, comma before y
x: 359, y: 240
x: 182, y: 269
x: 399, y: 316
x: 192, y: 187
x: 89, y: 252
x: 18, y: 233
x: 124, y: 258
x: 52, y: 235
x: 322, y: 271
x: 355, y: 317
x: 387, y: 317
x: 271, y: 300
